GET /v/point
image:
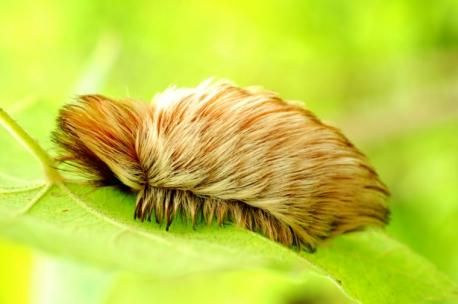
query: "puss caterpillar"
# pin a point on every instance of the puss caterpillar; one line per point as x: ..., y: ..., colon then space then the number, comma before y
x: 227, y: 153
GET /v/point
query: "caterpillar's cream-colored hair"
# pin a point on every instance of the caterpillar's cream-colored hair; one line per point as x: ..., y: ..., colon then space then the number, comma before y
x: 227, y: 153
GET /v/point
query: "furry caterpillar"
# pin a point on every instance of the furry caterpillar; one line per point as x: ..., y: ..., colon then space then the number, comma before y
x: 227, y: 153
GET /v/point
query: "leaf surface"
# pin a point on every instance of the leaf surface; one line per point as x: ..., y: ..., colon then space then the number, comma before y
x: 97, y: 226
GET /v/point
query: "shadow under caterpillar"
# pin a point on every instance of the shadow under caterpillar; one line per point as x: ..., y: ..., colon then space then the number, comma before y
x: 227, y: 153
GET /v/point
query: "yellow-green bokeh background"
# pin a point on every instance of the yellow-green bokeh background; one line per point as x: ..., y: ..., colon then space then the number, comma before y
x: 385, y: 71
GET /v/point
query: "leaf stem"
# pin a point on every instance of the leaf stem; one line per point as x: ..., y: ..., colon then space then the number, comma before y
x: 52, y: 175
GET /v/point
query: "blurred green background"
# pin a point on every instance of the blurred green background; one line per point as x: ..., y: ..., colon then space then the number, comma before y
x: 386, y: 72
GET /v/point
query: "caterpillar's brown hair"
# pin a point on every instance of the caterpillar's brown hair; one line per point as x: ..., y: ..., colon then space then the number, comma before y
x: 226, y: 153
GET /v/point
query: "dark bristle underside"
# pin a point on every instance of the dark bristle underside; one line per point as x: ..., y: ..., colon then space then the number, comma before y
x: 164, y: 205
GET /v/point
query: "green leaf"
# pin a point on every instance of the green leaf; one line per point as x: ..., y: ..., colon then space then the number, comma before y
x: 97, y: 226
x: 375, y: 268
x: 247, y: 286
